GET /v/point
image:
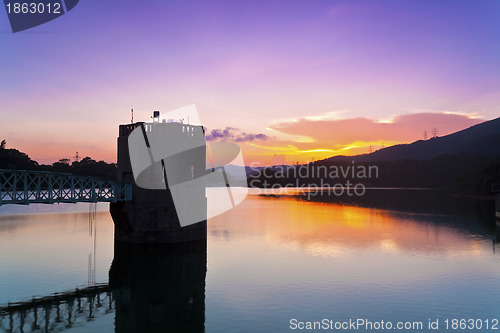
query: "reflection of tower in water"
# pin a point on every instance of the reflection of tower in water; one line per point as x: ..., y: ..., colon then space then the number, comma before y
x: 159, y: 287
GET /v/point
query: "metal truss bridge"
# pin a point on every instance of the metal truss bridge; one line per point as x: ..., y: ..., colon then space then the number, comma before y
x: 25, y: 187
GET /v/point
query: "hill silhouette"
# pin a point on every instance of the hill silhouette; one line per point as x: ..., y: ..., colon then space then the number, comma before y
x: 466, y: 162
x: 481, y: 139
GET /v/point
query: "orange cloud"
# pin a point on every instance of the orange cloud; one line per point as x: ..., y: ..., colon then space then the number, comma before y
x: 403, y: 128
x: 319, y: 137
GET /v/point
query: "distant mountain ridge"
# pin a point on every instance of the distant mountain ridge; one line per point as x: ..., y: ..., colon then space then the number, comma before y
x: 483, y: 138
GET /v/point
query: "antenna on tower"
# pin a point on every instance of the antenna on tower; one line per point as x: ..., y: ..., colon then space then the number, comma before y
x: 132, y: 121
x: 156, y: 116
x: 434, y: 132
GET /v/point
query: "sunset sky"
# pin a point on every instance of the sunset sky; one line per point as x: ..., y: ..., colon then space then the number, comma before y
x: 308, y: 79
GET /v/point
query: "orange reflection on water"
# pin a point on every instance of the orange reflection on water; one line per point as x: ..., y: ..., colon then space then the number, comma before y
x: 328, y: 228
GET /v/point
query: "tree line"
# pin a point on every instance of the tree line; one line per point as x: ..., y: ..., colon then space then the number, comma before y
x: 461, y: 173
x: 14, y: 159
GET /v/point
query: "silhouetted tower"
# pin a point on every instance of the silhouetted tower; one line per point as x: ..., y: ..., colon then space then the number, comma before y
x: 371, y: 149
x: 434, y: 132
x: 132, y: 121
x: 77, y: 158
x: 152, y: 217
x: 425, y: 135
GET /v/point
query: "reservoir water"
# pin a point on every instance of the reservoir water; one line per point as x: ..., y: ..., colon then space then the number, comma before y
x: 274, y: 263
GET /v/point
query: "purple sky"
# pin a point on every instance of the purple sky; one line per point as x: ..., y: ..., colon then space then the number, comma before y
x: 253, y: 65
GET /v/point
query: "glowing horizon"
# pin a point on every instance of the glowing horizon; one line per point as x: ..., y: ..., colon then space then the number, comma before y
x: 262, y: 151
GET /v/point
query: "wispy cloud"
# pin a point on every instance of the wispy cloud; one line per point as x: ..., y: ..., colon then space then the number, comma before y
x: 234, y: 135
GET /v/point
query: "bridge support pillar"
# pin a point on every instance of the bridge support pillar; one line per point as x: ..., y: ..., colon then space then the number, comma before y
x: 150, y: 217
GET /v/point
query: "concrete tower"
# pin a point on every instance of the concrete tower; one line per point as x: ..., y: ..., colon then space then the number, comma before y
x: 151, y: 216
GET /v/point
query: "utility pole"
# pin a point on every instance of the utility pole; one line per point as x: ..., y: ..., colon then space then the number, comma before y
x: 132, y: 121
x: 425, y: 135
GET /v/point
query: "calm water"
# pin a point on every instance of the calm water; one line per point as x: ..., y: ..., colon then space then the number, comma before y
x: 392, y: 255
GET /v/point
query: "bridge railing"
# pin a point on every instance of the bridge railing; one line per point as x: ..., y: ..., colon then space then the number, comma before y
x: 25, y: 187
x: 59, y: 311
